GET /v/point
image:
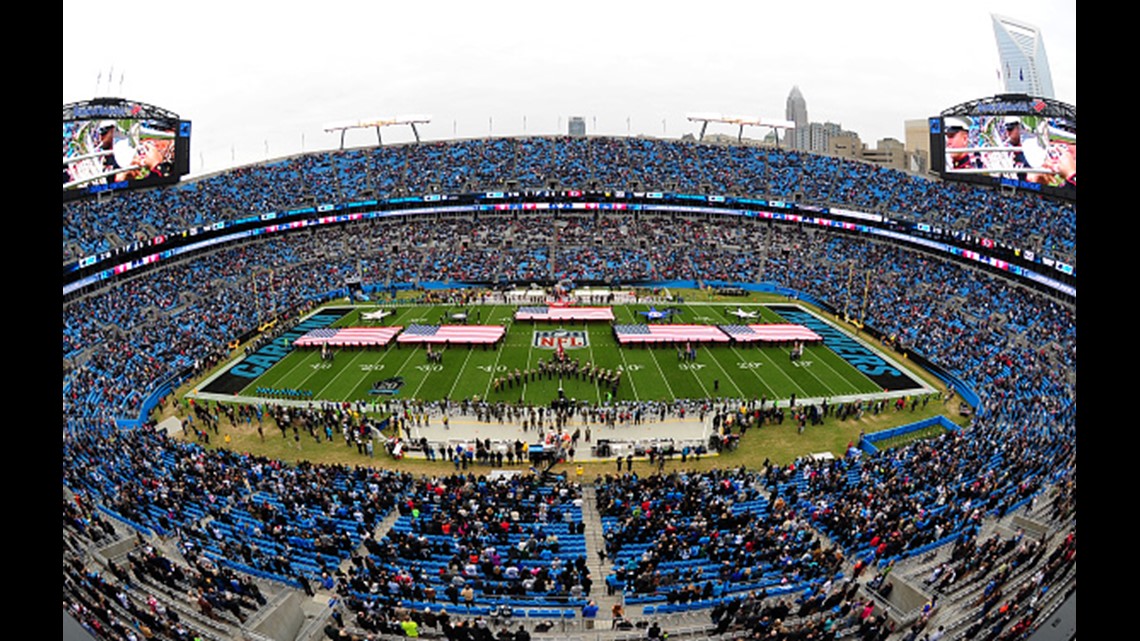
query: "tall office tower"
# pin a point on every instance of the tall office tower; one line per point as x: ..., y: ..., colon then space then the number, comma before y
x: 816, y: 137
x: 577, y: 126
x: 1021, y: 53
x: 796, y: 112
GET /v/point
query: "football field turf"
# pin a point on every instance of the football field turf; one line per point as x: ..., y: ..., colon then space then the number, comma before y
x: 647, y: 373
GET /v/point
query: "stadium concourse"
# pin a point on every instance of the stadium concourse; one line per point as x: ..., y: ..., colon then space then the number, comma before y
x: 968, y: 535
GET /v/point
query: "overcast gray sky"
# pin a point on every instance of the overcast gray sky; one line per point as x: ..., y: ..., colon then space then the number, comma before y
x: 261, y: 79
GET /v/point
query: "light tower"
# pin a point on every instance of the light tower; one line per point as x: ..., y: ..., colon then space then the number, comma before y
x: 739, y: 121
x: 377, y: 123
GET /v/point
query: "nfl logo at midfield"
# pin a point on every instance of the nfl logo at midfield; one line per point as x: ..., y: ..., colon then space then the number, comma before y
x: 564, y: 338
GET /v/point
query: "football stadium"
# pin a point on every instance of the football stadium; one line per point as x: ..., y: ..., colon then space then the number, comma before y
x: 568, y: 386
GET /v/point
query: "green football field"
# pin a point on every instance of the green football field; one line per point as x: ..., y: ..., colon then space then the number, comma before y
x: 656, y: 373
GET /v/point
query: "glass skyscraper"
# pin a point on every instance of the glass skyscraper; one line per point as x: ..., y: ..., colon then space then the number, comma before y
x: 1021, y: 52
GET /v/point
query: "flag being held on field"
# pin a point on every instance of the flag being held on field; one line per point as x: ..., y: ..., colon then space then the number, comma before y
x: 669, y: 333
x: 554, y: 313
x: 348, y: 337
x: 454, y: 334
x: 771, y: 333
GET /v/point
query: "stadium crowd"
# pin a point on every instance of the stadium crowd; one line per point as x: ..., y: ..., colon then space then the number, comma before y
x: 1045, y: 227
x: 754, y: 533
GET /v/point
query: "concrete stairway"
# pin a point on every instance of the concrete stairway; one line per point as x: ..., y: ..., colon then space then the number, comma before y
x: 599, y: 570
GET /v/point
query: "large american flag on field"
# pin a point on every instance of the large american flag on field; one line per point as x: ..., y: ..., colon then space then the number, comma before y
x: 771, y: 333
x: 669, y: 333
x: 456, y: 334
x: 347, y: 336
x: 545, y: 313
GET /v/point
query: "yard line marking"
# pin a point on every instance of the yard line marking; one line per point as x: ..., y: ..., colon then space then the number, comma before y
x: 495, y: 368
x: 625, y: 363
x: 470, y: 348
x: 529, y: 349
x: 830, y: 391
x: 597, y: 388
x: 704, y: 389
x: 758, y: 377
x: 380, y: 361
x: 840, y: 376
x: 343, y: 370
x: 663, y: 376
x: 408, y: 359
x: 636, y: 396
x: 304, y: 363
x: 731, y: 379
x: 781, y: 370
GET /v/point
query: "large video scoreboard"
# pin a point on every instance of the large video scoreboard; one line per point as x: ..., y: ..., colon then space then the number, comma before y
x: 1013, y: 139
x: 112, y: 143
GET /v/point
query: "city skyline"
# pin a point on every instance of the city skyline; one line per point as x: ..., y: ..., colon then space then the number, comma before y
x: 261, y: 84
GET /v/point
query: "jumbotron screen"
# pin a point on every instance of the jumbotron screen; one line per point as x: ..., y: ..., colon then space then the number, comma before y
x: 119, y: 146
x: 1036, y: 150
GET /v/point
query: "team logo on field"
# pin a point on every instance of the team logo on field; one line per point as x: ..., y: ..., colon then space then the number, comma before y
x: 388, y: 385
x: 566, y: 338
